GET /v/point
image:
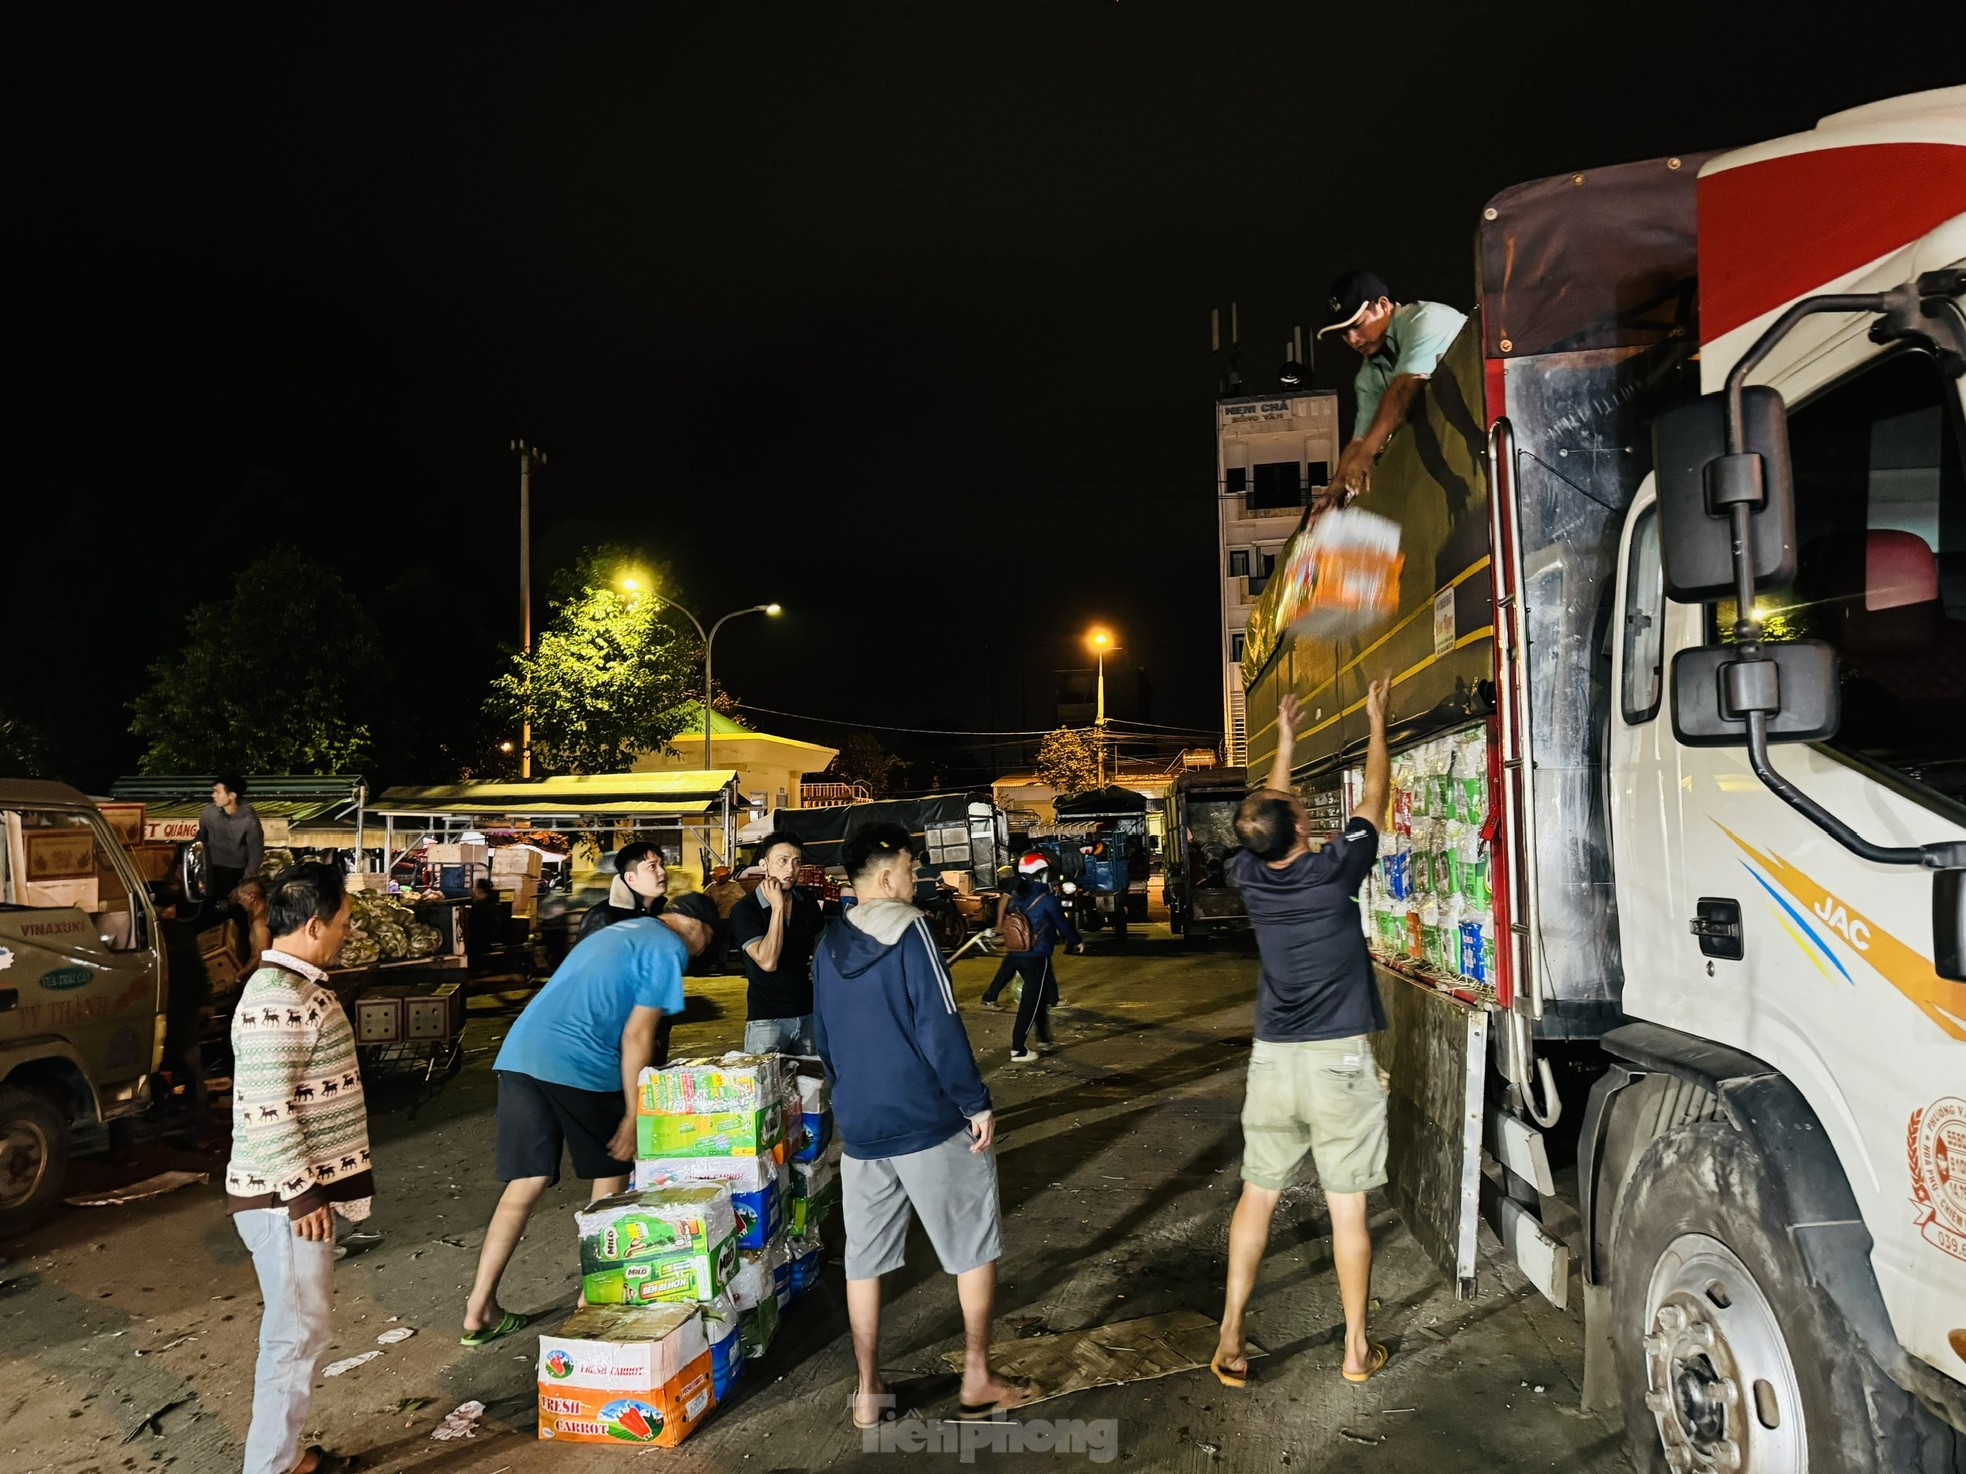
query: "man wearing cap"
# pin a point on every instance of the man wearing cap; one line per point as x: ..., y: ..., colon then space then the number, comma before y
x: 1400, y: 343
x: 568, y: 1073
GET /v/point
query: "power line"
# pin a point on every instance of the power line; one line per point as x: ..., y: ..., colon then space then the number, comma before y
x: 887, y: 727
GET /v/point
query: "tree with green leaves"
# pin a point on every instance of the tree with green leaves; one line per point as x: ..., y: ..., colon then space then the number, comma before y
x: 1068, y: 761
x: 24, y: 749
x: 608, y: 676
x: 863, y: 760
x: 287, y: 675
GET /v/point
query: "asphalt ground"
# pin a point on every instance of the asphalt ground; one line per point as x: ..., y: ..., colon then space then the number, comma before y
x: 127, y: 1334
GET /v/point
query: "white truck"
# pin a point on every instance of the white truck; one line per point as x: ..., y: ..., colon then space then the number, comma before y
x: 1670, y: 917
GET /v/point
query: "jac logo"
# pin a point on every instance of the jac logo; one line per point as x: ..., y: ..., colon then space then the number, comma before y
x: 1853, y: 929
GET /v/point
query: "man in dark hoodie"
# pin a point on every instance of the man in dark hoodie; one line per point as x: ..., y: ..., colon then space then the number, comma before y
x: 912, y: 1112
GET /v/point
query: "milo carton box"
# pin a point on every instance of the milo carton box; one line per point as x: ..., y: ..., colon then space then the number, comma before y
x: 668, y: 1243
x: 708, y: 1087
x: 745, y: 1133
x: 625, y: 1374
x: 758, y: 1186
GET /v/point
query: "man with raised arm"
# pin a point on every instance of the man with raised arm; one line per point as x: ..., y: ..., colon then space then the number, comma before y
x: 1313, y: 1084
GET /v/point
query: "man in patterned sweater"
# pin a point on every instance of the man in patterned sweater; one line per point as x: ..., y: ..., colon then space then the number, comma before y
x: 300, y: 1155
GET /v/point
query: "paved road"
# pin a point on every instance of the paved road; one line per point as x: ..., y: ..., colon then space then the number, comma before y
x: 126, y: 1334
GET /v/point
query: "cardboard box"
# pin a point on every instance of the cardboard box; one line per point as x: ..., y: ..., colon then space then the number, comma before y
x: 757, y: 1189
x: 669, y: 1243
x: 756, y: 1280
x: 721, y: 1320
x: 815, y: 1194
x: 695, y: 1087
x: 368, y: 880
x: 635, y: 1375
x: 726, y: 1134
x: 815, y: 1105
x: 803, y: 1258
x: 757, y: 1327
x: 457, y: 854
x: 514, y: 859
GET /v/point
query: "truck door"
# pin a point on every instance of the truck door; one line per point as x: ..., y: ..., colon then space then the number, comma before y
x: 1666, y: 980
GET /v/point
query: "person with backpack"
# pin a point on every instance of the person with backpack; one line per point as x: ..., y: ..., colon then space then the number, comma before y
x: 1032, y: 923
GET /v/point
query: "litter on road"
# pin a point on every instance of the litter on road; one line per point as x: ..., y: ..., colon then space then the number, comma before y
x: 348, y: 1363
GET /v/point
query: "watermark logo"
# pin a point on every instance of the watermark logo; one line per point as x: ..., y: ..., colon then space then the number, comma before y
x: 1095, y: 1439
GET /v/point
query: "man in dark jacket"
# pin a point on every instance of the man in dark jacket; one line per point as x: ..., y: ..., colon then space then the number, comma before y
x: 639, y: 888
x: 234, y: 842
x: 1049, y: 925
x: 913, y: 1115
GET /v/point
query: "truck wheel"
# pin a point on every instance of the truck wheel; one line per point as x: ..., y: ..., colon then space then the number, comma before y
x: 33, y: 1158
x: 1728, y: 1361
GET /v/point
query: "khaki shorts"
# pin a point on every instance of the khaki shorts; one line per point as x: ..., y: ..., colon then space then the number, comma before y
x: 1323, y: 1097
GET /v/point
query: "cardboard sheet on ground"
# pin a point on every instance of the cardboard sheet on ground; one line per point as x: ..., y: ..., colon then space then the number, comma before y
x: 1108, y: 1356
x: 150, y: 1187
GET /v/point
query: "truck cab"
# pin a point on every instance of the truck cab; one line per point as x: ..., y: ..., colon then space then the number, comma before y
x: 82, y: 989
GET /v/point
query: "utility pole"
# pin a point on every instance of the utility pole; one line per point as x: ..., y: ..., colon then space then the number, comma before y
x: 528, y: 455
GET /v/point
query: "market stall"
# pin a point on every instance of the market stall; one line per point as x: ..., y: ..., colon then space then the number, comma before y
x: 509, y: 828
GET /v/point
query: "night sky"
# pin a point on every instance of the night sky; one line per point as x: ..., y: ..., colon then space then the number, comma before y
x: 809, y: 301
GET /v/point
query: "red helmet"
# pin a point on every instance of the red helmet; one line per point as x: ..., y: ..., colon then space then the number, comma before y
x: 1033, y: 864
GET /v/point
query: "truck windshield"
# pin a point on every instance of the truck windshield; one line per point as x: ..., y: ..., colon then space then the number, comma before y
x: 54, y: 860
x: 1881, y: 536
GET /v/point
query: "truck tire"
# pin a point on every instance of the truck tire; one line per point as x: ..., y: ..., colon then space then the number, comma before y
x: 33, y: 1158
x: 1728, y: 1360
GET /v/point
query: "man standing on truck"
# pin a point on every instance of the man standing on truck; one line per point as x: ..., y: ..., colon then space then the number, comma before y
x: 1313, y: 1084
x: 777, y: 926
x: 1401, y: 343
x: 229, y: 829
x: 300, y: 1156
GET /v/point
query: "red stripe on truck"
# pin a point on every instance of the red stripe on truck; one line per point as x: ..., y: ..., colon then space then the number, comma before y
x: 1782, y: 228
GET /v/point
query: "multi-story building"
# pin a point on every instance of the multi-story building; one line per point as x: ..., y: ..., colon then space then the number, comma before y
x: 1272, y: 452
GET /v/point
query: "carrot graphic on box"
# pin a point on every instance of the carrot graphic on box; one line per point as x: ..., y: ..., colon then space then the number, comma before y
x: 631, y: 1418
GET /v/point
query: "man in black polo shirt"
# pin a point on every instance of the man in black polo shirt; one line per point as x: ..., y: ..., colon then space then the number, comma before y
x: 1313, y: 1085
x: 777, y: 926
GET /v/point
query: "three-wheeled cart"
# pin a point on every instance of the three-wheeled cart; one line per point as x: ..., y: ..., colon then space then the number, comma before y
x: 1201, y: 836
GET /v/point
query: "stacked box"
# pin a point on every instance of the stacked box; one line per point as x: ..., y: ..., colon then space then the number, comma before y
x: 758, y: 1188
x: 815, y: 1192
x: 626, y: 1374
x: 1430, y: 899
x: 669, y: 1243
x: 735, y: 1122
x: 815, y: 1107
x: 803, y: 1257
x: 720, y: 1324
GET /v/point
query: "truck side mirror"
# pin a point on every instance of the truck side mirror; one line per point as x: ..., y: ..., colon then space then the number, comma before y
x: 1699, y: 483
x: 1949, y: 924
x: 1795, y: 685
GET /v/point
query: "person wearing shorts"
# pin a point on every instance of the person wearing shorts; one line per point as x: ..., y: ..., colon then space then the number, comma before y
x: 567, y: 1075
x: 1314, y: 1089
x: 913, y: 1116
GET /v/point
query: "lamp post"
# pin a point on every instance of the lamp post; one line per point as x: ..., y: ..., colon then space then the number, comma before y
x: 529, y: 456
x: 709, y: 637
x: 1101, y: 641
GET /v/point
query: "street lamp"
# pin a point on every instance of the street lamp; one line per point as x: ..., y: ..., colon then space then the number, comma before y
x: 1101, y: 641
x: 634, y: 587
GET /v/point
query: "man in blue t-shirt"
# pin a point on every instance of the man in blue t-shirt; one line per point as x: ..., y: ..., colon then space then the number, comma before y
x: 1313, y: 1085
x: 567, y: 1076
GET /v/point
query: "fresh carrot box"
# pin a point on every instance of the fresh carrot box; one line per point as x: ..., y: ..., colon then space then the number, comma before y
x: 633, y: 1374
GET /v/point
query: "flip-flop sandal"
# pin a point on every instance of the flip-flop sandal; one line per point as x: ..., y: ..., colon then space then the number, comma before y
x: 981, y: 1412
x: 854, y: 1414
x: 1226, y: 1377
x: 485, y: 1335
x: 1379, y: 1358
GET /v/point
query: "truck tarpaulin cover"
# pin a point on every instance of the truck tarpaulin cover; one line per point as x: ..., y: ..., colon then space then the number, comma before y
x: 824, y: 831
x: 1100, y: 803
x: 1600, y: 259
